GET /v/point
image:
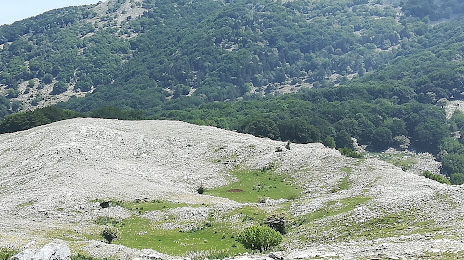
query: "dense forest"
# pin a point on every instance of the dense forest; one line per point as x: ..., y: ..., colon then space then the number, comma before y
x: 379, y: 71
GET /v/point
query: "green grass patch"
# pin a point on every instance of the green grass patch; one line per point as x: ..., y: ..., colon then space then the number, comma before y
x: 436, y: 177
x: 26, y: 204
x: 73, y: 235
x: 106, y: 221
x: 253, y: 185
x: 250, y: 213
x: 334, y: 208
x: 390, y: 225
x: 403, y: 161
x: 6, y: 253
x: 345, y: 183
x: 144, y: 206
x: 217, y: 238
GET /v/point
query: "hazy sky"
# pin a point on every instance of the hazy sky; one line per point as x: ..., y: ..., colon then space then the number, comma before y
x: 15, y: 10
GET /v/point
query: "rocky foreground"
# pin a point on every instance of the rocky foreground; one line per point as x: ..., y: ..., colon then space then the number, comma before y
x: 53, y: 178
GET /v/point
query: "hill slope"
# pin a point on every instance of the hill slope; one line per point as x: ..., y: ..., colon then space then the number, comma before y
x: 55, y: 180
x: 145, y: 53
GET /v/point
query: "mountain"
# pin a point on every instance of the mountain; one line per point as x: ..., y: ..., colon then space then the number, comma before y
x: 303, y: 71
x: 144, y: 53
x: 68, y: 181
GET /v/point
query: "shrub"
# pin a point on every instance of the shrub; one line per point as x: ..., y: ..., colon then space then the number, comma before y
x: 201, y: 189
x: 436, y: 177
x: 329, y: 141
x: 350, y: 153
x: 259, y: 238
x: 109, y: 234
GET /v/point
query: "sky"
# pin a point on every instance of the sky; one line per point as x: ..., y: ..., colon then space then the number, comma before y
x: 15, y: 10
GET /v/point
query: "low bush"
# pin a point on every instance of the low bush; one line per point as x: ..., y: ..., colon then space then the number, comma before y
x: 109, y: 234
x: 259, y: 238
x: 351, y: 153
x: 436, y: 177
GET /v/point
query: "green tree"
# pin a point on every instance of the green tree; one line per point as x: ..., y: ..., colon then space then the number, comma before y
x: 382, y: 138
x: 343, y: 139
x: 261, y: 127
x: 59, y: 88
x: 298, y: 131
x: 457, y: 178
x: 329, y: 141
x: 48, y: 78
x: 453, y: 163
x: 259, y: 238
x: 458, y: 118
x: 429, y: 134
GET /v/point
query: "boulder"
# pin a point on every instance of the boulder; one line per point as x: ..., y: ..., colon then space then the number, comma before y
x: 51, y: 251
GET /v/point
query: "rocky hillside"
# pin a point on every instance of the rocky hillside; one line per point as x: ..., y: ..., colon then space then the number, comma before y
x: 67, y: 181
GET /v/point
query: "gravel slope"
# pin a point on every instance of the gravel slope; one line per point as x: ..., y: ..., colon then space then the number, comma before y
x: 49, y: 175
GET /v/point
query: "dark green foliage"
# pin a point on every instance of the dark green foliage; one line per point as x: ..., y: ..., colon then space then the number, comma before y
x: 453, y: 163
x: 261, y: 127
x: 432, y: 9
x: 382, y: 138
x: 117, y: 113
x: 343, y: 139
x: 429, y: 134
x: 452, y: 158
x: 26, y: 120
x: 451, y: 146
x: 221, y: 50
x: 109, y: 234
x: 350, y: 153
x: 259, y: 238
x: 457, y: 178
x: 59, y: 88
x: 436, y: 177
x: 185, y: 57
x: 329, y: 141
x: 458, y: 119
x: 419, y: 8
x: 201, y: 189
x: 48, y: 78
x: 297, y: 130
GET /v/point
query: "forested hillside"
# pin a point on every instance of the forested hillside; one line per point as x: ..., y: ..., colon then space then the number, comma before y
x: 211, y: 50
x: 304, y: 71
